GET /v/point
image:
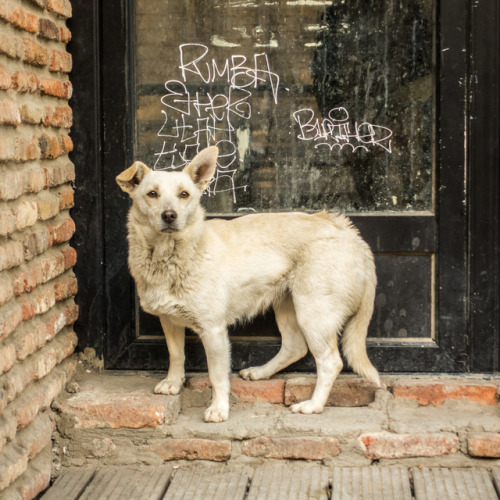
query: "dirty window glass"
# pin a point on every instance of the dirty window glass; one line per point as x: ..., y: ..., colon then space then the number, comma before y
x: 313, y: 104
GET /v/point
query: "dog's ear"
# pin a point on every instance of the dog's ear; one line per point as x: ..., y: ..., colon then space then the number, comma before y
x: 202, y: 167
x: 129, y: 179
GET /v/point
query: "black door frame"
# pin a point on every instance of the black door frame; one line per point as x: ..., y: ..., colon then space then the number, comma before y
x: 467, y: 220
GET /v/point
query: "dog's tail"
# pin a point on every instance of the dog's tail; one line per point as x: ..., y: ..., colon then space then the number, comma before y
x: 354, y: 336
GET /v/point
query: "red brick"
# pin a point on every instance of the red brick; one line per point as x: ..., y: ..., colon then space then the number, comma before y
x: 437, y: 392
x: 60, y: 62
x: 65, y: 35
x: 100, y: 408
x: 54, y: 88
x: 193, y: 449
x: 292, y: 448
x: 37, y: 477
x: 69, y: 257
x: 379, y: 445
x: 60, y: 116
x: 9, y: 112
x: 271, y: 391
x: 67, y: 198
x: 53, y: 266
x: 34, y: 53
x: 35, y: 242
x: 484, y: 445
x: 27, y: 280
x: 345, y: 391
x: 5, y: 78
x: 48, y: 205
x: 60, y: 7
x: 66, y: 287
x: 67, y: 143
x: 48, y: 29
x: 24, y: 81
x: 24, y: 20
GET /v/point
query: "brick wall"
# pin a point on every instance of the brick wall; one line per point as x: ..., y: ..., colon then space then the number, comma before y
x: 37, y: 284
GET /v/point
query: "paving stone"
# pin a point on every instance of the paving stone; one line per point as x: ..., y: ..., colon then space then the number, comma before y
x: 452, y: 484
x: 371, y: 483
x: 208, y: 484
x: 289, y: 482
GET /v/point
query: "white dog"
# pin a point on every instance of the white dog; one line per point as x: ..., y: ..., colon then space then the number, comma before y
x: 315, y: 271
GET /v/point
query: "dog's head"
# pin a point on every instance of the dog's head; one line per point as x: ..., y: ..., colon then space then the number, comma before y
x: 167, y: 200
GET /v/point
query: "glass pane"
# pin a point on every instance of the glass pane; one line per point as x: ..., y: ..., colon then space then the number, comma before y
x: 313, y: 104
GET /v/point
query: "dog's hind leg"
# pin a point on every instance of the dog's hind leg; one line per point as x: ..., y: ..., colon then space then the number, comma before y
x: 293, y: 344
x: 216, y: 344
x: 320, y: 328
x: 174, y: 335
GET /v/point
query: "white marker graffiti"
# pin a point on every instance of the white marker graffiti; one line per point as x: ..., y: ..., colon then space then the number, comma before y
x: 194, y: 119
x: 335, y: 131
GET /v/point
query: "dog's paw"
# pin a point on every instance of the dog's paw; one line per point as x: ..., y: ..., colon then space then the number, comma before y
x: 216, y: 414
x: 253, y: 373
x: 307, y: 407
x: 168, y: 387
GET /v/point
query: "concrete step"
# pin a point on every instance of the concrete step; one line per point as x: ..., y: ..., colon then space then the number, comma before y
x: 114, y: 418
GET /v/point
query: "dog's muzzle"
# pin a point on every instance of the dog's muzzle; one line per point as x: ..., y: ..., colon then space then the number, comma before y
x: 169, y: 218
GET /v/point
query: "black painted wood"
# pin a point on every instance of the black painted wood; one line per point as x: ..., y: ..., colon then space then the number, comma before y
x: 462, y: 232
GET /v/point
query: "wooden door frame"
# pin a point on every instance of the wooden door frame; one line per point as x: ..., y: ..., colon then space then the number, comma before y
x: 467, y: 220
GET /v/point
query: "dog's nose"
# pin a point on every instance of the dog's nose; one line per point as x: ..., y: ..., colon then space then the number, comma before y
x: 169, y: 216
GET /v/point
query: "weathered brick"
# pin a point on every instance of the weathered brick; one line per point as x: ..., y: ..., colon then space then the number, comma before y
x: 11, y: 254
x: 53, y: 266
x: 484, y: 445
x: 50, y: 146
x: 11, y: 46
x: 34, y: 53
x: 40, y: 3
x: 37, y: 180
x: 193, y: 449
x: 54, y: 88
x: 60, y: 7
x: 11, y: 183
x: 48, y: 205
x: 345, y: 391
x: 292, y: 448
x: 59, y: 116
x: 7, y: 222
x: 60, y: 62
x: 379, y: 445
x: 13, y: 462
x: 7, y: 148
x: 7, y: 357
x: 5, y: 78
x: 25, y: 214
x: 436, y: 392
x: 48, y: 29
x: 9, y: 112
x: 6, y: 10
x: 37, y: 477
x: 32, y: 114
x: 65, y: 287
x: 26, y: 148
x: 6, y: 289
x: 8, y: 428
x: 23, y: 20
x: 24, y: 81
x: 35, y: 242
x: 28, y: 279
x: 61, y: 173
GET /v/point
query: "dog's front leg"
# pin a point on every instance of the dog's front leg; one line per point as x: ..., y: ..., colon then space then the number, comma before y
x: 216, y: 344
x: 174, y: 335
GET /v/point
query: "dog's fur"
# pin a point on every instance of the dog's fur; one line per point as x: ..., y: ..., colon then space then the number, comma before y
x: 315, y: 270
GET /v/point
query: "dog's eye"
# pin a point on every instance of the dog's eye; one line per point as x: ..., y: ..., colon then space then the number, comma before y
x: 153, y: 194
x: 184, y: 195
